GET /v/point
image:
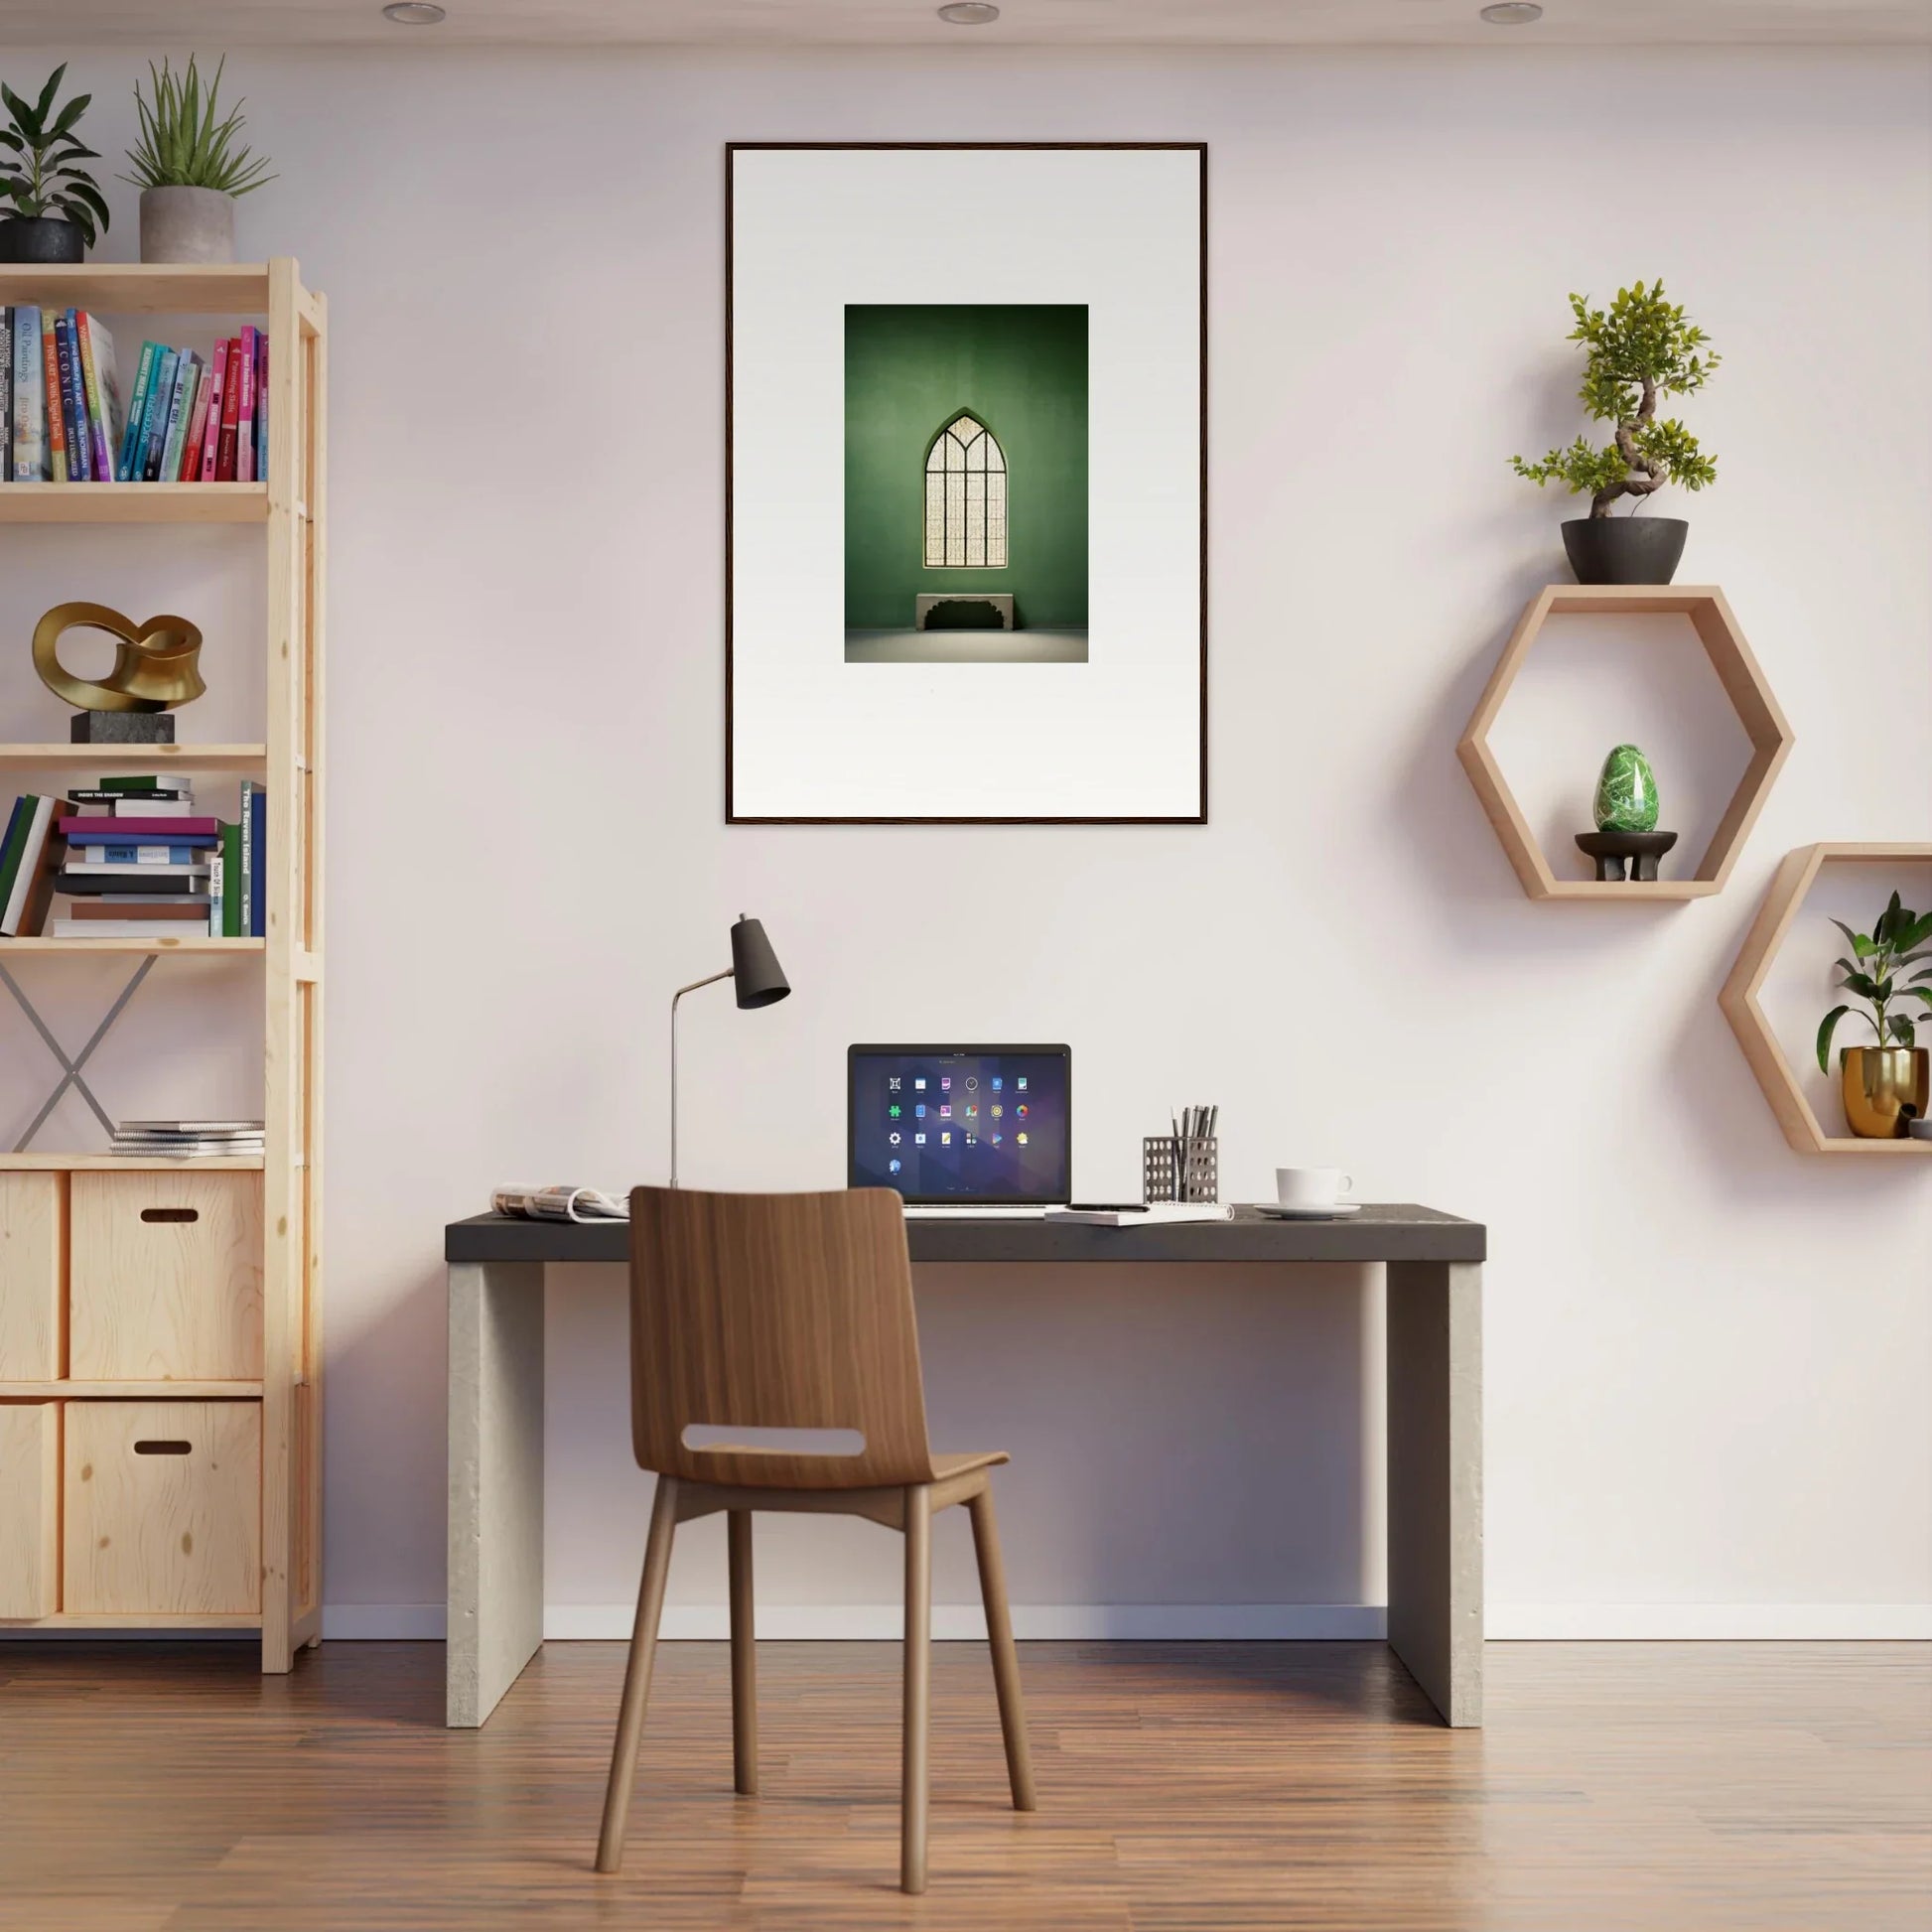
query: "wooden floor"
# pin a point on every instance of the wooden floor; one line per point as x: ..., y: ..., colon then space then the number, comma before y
x: 1628, y: 1787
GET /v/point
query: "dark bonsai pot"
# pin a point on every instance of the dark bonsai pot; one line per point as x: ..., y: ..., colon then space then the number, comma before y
x: 1624, y: 549
x: 40, y: 239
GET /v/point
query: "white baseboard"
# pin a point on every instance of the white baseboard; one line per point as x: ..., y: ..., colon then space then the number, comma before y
x: 1711, y: 1622
x: 1147, y: 1622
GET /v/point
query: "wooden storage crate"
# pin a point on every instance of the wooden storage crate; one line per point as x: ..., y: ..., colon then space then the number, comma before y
x: 162, y: 1507
x: 30, y: 1508
x: 166, y: 1278
x: 33, y: 1268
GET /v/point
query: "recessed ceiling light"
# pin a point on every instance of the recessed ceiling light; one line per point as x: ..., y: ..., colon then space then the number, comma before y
x: 1512, y: 12
x: 414, y: 13
x: 969, y: 13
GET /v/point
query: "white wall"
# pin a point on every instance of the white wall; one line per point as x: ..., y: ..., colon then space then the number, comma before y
x: 1707, y: 1358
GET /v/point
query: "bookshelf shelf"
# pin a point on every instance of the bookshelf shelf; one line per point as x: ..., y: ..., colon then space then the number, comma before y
x: 156, y: 1391
x: 286, y: 514
x: 200, y: 943
x: 133, y: 503
x: 129, y: 287
x: 31, y: 1163
x: 110, y: 758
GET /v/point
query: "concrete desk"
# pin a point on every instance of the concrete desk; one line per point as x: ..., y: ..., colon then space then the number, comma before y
x: 1434, y: 1405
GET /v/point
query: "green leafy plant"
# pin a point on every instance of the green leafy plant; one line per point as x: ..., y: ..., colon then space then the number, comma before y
x: 38, y: 152
x: 1639, y: 349
x: 182, y: 144
x: 1895, y: 941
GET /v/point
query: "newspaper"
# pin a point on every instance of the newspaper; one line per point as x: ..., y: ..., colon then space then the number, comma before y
x: 558, y: 1204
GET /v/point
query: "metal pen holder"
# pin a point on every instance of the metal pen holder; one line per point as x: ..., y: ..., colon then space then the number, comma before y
x: 1180, y: 1169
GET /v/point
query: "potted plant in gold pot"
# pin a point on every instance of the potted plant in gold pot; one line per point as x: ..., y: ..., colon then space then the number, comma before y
x: 1886, y: 1085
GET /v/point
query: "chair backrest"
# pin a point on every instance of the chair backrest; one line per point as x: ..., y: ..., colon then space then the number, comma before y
x: 775, y: 1311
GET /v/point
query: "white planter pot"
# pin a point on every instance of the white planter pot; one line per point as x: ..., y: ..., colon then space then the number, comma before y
x: 186, y: 224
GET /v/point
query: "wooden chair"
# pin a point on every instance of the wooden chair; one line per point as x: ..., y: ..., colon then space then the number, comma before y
x: 765, y: 1311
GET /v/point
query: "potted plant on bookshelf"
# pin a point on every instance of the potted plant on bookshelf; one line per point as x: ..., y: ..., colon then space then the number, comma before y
x: 1884, y: 1085
x: 1637, y: 352
x: 188, y: 167
x: 53, y: 209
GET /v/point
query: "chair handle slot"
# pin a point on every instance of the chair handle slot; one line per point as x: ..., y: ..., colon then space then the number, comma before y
x: 171, y: 1213
x: 163, y: 1445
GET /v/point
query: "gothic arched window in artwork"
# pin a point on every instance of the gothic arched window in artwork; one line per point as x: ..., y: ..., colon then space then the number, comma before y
x: 965, y: 498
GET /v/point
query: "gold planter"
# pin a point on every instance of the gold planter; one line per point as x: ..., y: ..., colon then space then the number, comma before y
x: 1883, y: 1088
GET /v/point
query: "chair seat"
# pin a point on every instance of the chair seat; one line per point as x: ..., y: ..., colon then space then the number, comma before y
x: 946, y: 1466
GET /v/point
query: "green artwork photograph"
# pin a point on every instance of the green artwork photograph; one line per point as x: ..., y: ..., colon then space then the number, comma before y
x: 966, y: 484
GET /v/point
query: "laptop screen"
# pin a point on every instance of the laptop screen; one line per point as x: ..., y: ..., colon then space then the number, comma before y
x: 985, y: 1125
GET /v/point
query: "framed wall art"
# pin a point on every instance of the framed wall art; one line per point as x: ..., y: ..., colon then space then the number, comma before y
x: 966, y: 483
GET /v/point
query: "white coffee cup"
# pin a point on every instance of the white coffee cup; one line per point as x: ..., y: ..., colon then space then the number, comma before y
x: 1312, y: 1186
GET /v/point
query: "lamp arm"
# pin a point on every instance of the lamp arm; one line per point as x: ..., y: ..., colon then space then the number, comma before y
x: 711, y: 979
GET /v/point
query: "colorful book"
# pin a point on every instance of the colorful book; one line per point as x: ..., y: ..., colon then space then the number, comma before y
x: 131, y: 852
x: 143, y: 782
x: 230, y: 862
x: 114, y: 795
x: 29, y: 403
x: 56, y: 427
x: 231, y: 416
x: 259, y: 865
x: 129, y: 468
x: 91, y: 882
x: 73, y: 410
x: 116, y: 929
x: 189, y: 465
x: 178, y: 409
x: 101, y: 380
x: 245, y: 455
x: 17, y: 822
x: 6, y: 395
x: 261, y: 405
x: 160, y: 399
x: 154, y: 831
x: 34, y: 876
x: 217, y: 370
x: 175, y: 906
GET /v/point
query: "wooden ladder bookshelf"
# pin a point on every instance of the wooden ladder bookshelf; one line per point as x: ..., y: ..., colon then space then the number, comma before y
x: 286, y: 1383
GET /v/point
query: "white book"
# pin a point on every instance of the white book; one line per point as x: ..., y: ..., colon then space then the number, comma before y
x: 124, y: 929
x: 1155, y: 1214
x: 153, y: 808
x: 133, y: 868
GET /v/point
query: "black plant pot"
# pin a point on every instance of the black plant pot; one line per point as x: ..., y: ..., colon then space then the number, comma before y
x: 1624, y: 549
x: 40, y: 239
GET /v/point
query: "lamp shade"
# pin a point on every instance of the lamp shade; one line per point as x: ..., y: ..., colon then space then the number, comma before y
x: 756, y: 977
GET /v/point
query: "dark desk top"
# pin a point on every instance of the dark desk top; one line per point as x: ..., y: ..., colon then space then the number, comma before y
x: 1382, y: 1231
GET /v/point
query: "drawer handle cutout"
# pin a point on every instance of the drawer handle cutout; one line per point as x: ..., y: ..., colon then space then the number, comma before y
x: 171, y: 1213
x: 163, y: 1446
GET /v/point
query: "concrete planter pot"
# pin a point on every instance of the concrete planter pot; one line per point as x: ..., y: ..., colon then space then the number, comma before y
x: 186, y: 224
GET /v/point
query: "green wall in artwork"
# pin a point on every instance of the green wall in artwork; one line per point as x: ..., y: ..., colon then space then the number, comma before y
x: 1022, y: 370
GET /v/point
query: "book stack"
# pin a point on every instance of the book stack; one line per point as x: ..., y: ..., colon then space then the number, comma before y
x: 137, y: 861
x: 187, y: 1139
x: 188, y: 419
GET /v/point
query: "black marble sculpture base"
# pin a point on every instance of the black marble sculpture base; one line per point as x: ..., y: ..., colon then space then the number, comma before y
x: 1611, y: 849
x: 123, y: 728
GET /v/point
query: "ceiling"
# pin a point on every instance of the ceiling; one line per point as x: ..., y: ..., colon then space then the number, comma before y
x: 913, y: 23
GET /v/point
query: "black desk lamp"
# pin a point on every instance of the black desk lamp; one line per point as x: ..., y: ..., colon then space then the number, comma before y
x: 758, y: 981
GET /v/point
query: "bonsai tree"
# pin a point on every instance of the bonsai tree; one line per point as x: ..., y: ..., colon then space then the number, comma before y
x: 38, y: 152
x: 182, y: 143
x: 1637, y: 351
x: 1895, y: 941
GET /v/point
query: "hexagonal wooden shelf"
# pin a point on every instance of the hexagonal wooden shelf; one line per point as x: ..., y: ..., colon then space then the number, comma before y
x: 1795, y: 878
x: 1744, y: 683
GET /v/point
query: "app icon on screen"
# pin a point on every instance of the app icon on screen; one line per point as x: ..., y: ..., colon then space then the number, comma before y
x: 945, y: 1083
x: 919, y: 1110
x: 946, y: 1112
x: 1020, y: 1084
x: 894, y: 1138
x: 971, y: 1141
x: 972, y: 1080
x: 919, y: 1140
x: 996, y: 1140
x: 945, y: 1140
x: 1020, y: 1137
x: 996, y: 1083
x: 997, y: 1110
x: 919, y: 1083
x: 893, y: 1110
x: 892, y: 1083
x: 891, y: 1167
x: 1020, y: 1110
x: 972, y: 1113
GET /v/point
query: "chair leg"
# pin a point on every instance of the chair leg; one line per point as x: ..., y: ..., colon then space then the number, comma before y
x: 918, y: 1687
x: 744, y: 1667
x: 636, y: 1676
x: 1006, y: 1660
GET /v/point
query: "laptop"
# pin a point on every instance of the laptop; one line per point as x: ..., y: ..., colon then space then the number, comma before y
x: 974, y: 1130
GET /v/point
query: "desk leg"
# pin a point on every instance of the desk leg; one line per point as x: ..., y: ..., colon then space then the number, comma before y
x: 1434, y: 1330
x: 495, y: 1613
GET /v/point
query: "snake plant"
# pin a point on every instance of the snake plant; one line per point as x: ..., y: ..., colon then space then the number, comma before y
x: 182, y: 144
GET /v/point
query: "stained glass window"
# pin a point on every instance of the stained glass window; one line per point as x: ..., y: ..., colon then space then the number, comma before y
x: 965, y: 499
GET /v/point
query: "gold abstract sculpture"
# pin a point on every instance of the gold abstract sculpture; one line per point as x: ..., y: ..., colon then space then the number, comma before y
x: 154, y: 662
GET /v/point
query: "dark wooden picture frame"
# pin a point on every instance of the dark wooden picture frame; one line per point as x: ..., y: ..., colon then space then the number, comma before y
x: 732, y: 150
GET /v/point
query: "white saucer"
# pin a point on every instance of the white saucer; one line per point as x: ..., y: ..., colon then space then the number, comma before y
x: 1275, y: 1212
